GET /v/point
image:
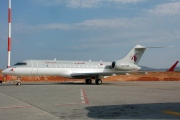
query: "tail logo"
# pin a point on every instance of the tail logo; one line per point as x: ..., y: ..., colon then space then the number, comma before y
x: 134, y: 57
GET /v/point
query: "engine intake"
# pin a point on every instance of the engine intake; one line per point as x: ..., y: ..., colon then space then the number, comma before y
x: 116, y: 65
x: 113, y: 64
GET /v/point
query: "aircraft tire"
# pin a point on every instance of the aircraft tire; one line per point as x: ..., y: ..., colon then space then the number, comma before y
x: 98, y: 81
x: 88, y: 81
x: 18, y: 83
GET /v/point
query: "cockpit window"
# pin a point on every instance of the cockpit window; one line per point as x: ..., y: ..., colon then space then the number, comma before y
x: 20, y: 63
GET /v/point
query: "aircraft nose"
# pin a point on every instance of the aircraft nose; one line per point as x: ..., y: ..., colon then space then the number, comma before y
x: 6, y: 71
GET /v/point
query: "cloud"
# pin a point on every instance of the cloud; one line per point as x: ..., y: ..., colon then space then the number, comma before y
x: 84, y: 3
x: 146, y: 29
x: 94, y: 24
x: 96, y: 3
x: 125, y: 1
x: 109, y: 32
x: 108, y: 23
x: 57, y: 26
x: 166, y: 9
x: 48, y: 2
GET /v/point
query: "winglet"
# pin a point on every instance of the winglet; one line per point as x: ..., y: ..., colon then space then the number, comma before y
x: 172, y: 67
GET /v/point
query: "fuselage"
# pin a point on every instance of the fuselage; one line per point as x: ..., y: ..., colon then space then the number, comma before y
x: 63, y: 68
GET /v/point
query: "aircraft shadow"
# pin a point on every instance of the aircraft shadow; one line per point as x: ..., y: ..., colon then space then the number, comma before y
x: 134, y: 111
x: 53, y: 83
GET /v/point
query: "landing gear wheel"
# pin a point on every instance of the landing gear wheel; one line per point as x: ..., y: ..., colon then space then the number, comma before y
x: 98, y: 81
x: 18, y: 83
x: 88, y: 81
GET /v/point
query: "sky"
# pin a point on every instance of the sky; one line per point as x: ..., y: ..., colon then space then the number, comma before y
x: 91, y: 29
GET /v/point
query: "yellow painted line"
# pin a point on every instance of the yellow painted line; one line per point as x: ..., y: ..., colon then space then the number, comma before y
x: 172, y: 113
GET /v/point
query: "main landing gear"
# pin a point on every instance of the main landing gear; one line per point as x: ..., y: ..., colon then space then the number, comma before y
x: 88, y: 81
x: 97, y: 81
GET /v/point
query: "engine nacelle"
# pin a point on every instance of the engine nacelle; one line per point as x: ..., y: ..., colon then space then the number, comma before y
x: 116, y: 65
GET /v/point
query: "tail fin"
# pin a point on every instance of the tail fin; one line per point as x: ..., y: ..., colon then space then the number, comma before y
x: 134, y: 55
x: 172, y: 67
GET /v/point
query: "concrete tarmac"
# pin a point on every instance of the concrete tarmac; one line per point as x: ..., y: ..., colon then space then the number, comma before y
x: 111, y: 100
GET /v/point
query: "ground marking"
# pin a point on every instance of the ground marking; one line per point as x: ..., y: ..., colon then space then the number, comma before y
x: 172, y: 112
x: 12, y: 107
x: 84, y: 99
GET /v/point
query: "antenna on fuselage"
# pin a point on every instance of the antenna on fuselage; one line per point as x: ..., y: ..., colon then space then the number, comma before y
x: 100, y: 63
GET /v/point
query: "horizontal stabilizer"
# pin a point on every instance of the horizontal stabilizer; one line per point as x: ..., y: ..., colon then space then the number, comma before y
x: 159, y: 47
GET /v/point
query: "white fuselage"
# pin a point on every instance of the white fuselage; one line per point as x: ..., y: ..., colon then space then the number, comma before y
x: 64, y: 68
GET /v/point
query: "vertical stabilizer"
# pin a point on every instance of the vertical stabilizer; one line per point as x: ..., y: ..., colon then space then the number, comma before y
x: 172, y: 67
x: 134, y: 55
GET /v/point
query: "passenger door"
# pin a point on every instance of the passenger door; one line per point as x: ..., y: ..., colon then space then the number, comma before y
x: 34, y: 68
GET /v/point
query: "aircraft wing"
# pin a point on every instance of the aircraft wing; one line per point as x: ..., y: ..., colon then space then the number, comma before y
x: 86, y: 75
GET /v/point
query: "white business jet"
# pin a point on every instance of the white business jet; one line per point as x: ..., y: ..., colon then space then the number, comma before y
x: 79, y: 69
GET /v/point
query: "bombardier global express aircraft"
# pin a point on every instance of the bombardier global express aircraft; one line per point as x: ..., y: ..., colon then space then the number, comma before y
x: 78, y: 69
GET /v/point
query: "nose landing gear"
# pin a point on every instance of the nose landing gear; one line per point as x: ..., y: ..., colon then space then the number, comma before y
x: 18, y: 81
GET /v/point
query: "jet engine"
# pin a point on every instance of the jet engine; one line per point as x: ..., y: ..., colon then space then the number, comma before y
x: 117, y: 65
